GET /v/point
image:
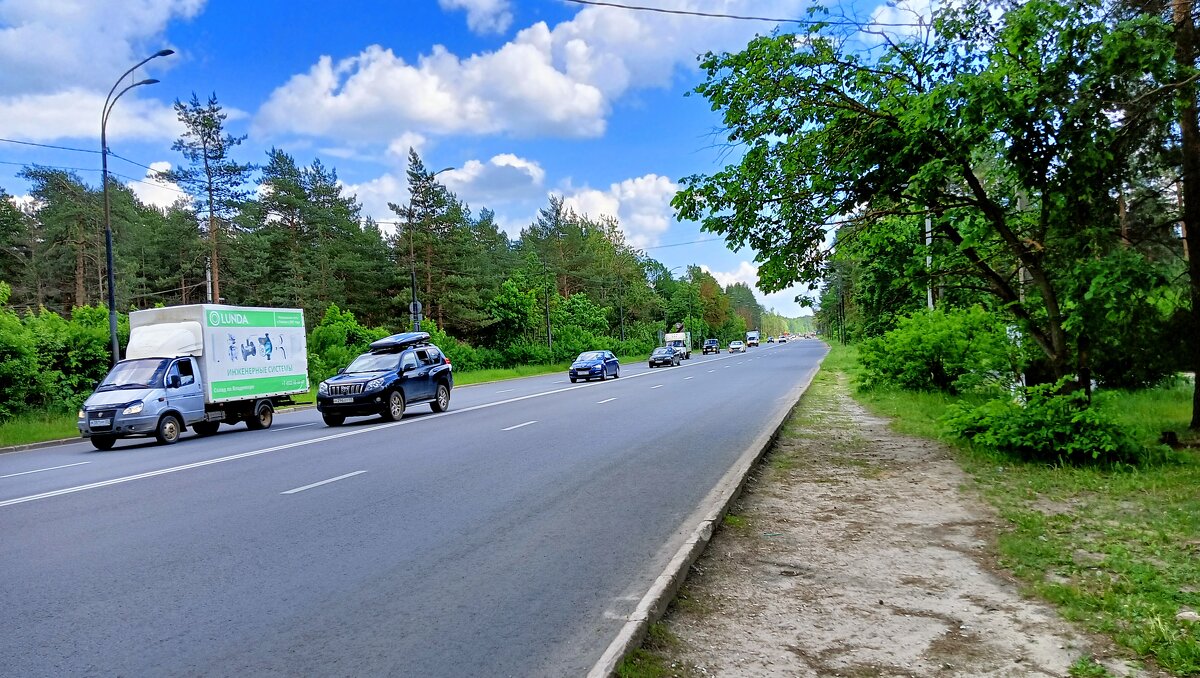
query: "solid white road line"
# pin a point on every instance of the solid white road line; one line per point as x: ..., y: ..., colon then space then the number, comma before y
x: 519, y: 425
x: 658, y: 386
x: 22, y: 473
x: 607, y: 400
x: 323, y: 482
x: 288, y: 428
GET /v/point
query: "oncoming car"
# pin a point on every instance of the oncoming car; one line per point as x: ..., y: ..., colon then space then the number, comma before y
x: 397, y: 371
x: 664, y: 355
x: 594, y: 365
x: 737, y: 347
x: 711, y: 345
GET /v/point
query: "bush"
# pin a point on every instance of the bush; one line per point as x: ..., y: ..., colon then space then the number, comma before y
x: 337, y: 340
x: 1049, y: 426
x: 954, y: 351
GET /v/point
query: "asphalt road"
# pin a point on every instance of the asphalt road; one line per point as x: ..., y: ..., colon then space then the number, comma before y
x: 509, y: 536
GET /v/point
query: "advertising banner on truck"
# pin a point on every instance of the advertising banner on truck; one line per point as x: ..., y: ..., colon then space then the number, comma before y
x: 254, y: 352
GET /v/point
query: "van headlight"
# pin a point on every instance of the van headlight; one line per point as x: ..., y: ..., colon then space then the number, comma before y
x: 80, y: 414
x: 135, y: 408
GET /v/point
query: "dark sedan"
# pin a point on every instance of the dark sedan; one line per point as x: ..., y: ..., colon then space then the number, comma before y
x: 664, y: 355
x: 594, y: 365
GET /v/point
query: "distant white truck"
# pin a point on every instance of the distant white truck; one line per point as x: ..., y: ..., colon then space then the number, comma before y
x: 752, y: 338
x: 198, y: 366
x: 680, y: 341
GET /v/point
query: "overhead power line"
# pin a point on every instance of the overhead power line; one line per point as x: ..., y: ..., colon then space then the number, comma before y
x: 742, y: 17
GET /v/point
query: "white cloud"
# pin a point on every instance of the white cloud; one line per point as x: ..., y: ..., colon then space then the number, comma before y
x: 374, y: 195
x: 642, y: 206
x: 48, y: 45
x: 483, y: 16
x: 398, y: 148
x: 783, y: 302
x: 75, y: 114
x: 504, y: 177
x: 559, y: 81
x: 154, y: 190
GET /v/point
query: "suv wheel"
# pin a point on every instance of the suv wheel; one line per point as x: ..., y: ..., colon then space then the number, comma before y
x: 333, y: 419
x: 393, y: 410
x: 441, y: 401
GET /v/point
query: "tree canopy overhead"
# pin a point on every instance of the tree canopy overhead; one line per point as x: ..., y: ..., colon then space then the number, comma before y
x: 1012, y: 129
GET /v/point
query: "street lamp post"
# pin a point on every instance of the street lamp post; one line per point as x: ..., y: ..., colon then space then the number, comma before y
x: 415, y: 307
x: 109, y: 102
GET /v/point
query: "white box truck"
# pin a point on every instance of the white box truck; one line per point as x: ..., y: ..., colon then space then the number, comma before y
x: 198, y: 366
x: 680, y: 341
x: 752, y: 338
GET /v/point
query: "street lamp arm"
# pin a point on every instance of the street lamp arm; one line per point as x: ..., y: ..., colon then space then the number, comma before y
x: 109, y: 106
x: 159, y: 53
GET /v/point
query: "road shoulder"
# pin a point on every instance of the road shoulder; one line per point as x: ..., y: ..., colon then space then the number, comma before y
x: 857, y: 551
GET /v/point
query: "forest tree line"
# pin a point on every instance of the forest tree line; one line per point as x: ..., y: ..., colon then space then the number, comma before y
x: 288, y: 235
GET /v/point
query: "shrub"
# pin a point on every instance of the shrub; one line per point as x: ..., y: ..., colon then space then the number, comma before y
x: 952, y: 350
x: 1049, y: 426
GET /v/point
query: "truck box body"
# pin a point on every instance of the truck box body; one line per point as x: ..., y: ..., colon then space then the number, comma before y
x: 242, y: 352
x: 752, y: 338
x: 198, y: 367
x: 680, y: 341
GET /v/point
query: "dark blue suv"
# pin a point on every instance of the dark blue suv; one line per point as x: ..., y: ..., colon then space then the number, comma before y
x: 398, y: 371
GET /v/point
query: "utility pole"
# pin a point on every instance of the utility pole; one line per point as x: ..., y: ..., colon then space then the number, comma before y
x: 929, y: 261
x: 546, y: 288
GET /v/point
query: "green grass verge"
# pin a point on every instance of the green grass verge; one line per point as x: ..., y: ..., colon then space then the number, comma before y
x: 36, y: 427
x: 1115, y: 550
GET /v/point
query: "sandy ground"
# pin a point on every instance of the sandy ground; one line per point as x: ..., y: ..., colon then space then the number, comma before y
x: 858, y: 552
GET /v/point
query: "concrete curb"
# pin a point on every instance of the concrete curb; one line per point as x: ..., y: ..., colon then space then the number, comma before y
x: 714, y: 507
x: 67, y: 441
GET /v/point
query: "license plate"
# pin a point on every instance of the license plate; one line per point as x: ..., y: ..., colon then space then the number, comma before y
x: 341, y: 401
x: 99, y: 422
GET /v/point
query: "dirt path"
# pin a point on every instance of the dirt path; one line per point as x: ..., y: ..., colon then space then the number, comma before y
x: 859, y: 552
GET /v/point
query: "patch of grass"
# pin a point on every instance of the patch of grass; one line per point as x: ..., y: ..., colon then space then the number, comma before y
x: 38, y: 427
x: 735, y: 522
x: 1117, y: 550
x: 1087, y: 667
x: 644, y: 664
x: 649, y: 661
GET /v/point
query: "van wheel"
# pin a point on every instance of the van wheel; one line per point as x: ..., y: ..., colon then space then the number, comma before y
x: 103, y: 443
x: 206, y: 428
x: 333, y: 419
x: 441, y: 402
x: 169, y: 428
x: 394, y: 409
x: 263, y: 417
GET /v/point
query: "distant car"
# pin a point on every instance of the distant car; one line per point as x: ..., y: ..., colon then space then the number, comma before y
x: 397, y: 371
x: 783, y: 340
x: 737, y: 347
x: 770, y: 340
x: 594, y: 365
x: 664, y: 355
x: 711, y: 345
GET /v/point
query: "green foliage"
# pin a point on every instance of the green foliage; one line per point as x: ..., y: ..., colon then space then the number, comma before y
x: 1048, y: 426
x: 946, y: 350
x: 337, y: 340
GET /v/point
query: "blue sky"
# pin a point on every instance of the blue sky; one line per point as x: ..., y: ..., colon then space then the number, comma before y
x: 523, y: 99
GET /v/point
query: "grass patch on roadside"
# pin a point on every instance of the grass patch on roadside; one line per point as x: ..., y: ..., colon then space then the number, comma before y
x: 648, y: 661
x: 38, y: 427
x: 1116, y: 550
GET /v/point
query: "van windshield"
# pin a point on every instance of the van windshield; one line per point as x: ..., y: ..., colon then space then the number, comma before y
x: 141, y: 373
